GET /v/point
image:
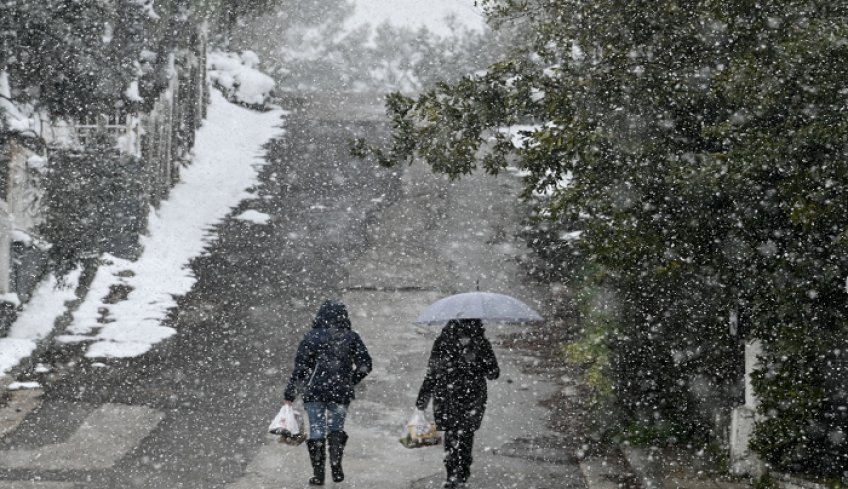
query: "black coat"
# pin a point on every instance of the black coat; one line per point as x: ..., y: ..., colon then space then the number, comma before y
x: 460, y: 363
x: 331, y: 359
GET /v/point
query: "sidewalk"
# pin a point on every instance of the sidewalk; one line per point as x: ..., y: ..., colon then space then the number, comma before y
x: 227, y: 158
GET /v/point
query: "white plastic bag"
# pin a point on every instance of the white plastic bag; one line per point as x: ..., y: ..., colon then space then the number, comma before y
x: 420, y: 431
x: 288, y: 423
x: 419, y: 426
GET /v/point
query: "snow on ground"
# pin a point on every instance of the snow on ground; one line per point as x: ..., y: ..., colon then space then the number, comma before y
x: 254, y: 216
x: 35, y: 321
x: 216, y: 182
x: 228, y: 153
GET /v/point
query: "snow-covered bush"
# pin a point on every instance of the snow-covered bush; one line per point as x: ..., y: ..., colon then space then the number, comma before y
x: 238, y: 77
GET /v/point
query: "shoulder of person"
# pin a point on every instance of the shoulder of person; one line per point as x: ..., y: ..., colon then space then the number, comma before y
x: 351, y: 334
x: 315, y: 336
x: 356, y: 337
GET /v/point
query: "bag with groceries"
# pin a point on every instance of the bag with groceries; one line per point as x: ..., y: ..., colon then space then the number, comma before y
x: 420, y: 432
x: 289, y: 425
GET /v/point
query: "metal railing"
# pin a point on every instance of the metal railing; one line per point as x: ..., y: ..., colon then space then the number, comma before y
x: 123, y: 127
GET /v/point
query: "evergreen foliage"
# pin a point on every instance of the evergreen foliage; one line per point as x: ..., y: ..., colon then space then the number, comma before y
x: 704, y: 146
x: 71, y: 58
x: 77, y: 59
x: 93, y: 197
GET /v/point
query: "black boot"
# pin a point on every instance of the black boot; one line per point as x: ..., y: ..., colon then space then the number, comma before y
x: 337, y: 441
x: 466, y: 445
x: 451, y: 459
x: 318, y: 456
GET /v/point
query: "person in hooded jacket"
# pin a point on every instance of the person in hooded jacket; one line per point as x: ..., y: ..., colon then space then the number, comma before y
x: 331, y: 360
x: 460, y: 363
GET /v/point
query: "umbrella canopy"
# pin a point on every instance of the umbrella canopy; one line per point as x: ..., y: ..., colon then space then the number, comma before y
x: 478, y: 305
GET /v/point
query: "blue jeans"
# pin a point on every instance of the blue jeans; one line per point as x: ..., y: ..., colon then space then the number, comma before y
x: 324, y: 415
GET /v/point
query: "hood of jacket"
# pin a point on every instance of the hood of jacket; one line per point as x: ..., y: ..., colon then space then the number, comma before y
x: 332, y: 314
x: 457, y: 328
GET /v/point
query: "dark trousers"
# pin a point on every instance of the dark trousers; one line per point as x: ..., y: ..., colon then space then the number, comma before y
x: 458, y: 445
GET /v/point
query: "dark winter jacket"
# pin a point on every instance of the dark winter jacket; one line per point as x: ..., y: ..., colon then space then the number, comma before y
x: 461, y: 361
x: 331, y: 359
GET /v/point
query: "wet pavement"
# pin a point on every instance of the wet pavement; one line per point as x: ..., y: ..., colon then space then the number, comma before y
x: 192, y: 413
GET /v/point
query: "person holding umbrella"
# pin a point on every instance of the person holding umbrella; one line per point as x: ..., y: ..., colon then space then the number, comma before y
x: 331, y: 360
x: 461, y: 362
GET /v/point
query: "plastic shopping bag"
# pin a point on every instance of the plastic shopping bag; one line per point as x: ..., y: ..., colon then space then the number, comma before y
x: 420, y: 432
x: 288, y: 423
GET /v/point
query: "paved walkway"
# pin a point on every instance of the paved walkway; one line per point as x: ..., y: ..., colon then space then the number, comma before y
x: 438, y: 238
